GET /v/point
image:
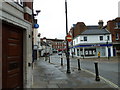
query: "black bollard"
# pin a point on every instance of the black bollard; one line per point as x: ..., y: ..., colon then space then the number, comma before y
x: 96, y: 70
x: 79, y: 64
x: 61, y: 61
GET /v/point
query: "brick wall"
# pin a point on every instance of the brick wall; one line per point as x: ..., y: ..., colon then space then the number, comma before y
x: 111, y: 26
x: 28, y: 16
x: 79, y: 28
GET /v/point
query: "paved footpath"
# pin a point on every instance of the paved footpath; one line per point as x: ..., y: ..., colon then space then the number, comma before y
x: 48, y: 75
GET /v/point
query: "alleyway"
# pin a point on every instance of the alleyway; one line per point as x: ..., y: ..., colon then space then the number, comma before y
x: 49, y: 75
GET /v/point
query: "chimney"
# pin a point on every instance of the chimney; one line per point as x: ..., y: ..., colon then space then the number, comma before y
x: 100, y: 24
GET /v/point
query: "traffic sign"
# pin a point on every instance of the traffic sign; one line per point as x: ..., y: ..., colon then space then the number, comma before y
x: 36, y: 26
x: 69, y: 38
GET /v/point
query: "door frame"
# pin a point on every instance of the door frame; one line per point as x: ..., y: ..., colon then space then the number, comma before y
x: 4, y: 74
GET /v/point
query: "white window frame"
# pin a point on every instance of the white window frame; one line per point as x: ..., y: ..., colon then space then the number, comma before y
x: 84, y: 38
x: 100, y: 38
x: 108, y: 37
x: 20, y: 2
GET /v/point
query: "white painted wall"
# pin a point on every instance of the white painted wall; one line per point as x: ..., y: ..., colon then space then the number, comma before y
x: 91, y: 39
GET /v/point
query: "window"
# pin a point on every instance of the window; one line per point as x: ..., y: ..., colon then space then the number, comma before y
x: 20, y: 2
x: 117, y: 36
x: 118, y: 25
x: 85, y: 38
x: 78, y: 52
x: 101, y: 38
x: 76, y: 40
x: 108, y: 37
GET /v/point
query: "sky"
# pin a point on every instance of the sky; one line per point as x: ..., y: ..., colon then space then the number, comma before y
x: 52, y: 20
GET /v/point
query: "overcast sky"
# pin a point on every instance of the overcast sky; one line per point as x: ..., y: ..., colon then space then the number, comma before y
x: 52, y: 22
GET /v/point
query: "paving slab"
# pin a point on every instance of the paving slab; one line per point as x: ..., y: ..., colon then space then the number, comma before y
x: 48, y: 75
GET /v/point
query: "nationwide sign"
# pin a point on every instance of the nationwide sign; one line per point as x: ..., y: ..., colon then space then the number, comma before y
x: 94, y: 45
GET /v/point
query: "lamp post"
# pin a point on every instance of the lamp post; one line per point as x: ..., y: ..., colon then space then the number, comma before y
x: 35, y: 26
x: 107, y: 49
x: 67, y: 56
x: 44, y: 39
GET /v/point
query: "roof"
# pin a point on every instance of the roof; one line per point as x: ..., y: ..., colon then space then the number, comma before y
x: 95, y: 32
x: 93, y: 27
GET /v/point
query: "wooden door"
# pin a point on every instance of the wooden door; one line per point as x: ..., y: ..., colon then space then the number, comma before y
x: 12, y: 52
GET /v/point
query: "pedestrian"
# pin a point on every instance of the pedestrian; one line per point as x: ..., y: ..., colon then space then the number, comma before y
x: 98, y: 54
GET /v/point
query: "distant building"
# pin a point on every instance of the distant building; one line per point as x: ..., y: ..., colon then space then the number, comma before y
x: 56, y: 44
x: 91, y: 40
x: 46, y: 47
x: 16, y: 44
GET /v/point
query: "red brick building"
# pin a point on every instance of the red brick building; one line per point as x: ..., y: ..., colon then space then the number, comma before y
x: 114, y: 27
x: 16, y: 43
x: 57, y: 44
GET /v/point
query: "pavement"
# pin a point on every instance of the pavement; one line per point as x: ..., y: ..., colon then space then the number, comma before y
x: 51, y: 75
x: 102, y: 59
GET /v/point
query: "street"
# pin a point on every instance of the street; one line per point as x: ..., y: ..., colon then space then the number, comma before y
x: 108, y: 70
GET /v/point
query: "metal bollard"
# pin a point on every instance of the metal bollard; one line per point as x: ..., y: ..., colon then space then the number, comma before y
x: 79, y: 64
x: 61, y: 61
x: 96, y: 70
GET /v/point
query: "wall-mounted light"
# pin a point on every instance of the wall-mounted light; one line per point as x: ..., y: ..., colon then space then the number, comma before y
x: 37, y: 12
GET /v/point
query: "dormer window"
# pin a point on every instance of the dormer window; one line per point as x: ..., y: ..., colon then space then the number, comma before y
x: 20, y: 2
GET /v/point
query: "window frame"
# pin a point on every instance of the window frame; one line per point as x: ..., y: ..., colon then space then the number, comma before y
x: 117, y: 36
x: 100, y: 38
x: 85, y: 38
x: 19, y: 2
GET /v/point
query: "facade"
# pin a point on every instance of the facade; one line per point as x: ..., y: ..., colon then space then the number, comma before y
x: 56, y: 45
x: 16, y: 44
x: 113, y: 26
x: 90, y: 41
x: 46, y: 48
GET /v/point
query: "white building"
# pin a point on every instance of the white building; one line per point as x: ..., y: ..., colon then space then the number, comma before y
x: 92, y: 41
x: 46, y: 48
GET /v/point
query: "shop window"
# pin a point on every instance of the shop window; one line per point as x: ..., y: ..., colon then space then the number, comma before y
x: 90, y: 52
x: 78, y: 52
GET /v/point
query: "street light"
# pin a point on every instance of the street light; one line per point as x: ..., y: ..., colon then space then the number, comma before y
x: 35, y: 26
x: 107, y: 49
x: 67, y: 54
x: 44, y: 39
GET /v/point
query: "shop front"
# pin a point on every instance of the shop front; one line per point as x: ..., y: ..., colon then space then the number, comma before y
x: 92, y: 50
